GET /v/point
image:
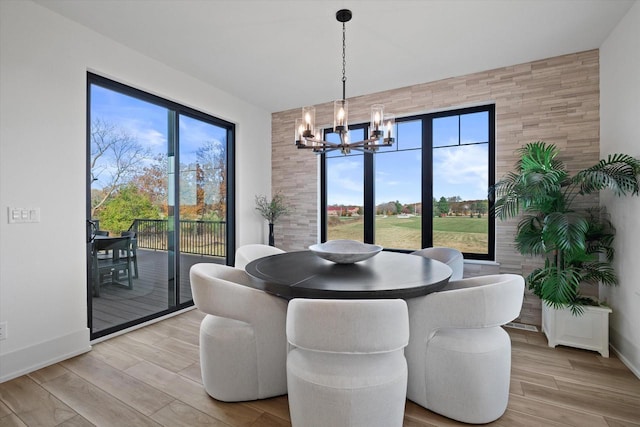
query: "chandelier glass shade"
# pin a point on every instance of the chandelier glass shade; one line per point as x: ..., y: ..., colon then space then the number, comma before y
x: 308, y: 135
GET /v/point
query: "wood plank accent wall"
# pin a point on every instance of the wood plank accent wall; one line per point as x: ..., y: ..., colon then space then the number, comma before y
x: 555, y: 100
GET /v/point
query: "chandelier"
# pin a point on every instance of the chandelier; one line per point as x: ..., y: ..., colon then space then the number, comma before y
x: 381, y: 127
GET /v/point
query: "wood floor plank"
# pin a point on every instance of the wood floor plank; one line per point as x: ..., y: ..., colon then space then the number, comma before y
x: 192, y: 372
x: 178, y: 414
x: 147, y: 335
x: 582, y: 402
x: 513, y: 418
x: 171, y: 361
x: 4, y: 410
x: 191, y: 336
x: 599, y: 368
x: 48, y: 373
x: 516, y: 335
x: 629, y: 385
x: 603, y: 394
x: 268, y: 420
x: 537, y: 339
x: 11, y: 420
x: 180, y: 347
x: 410, y: 422
x: 277, y: 406
x: 114, y: 356
x: 193, y: 394
x: 553, y: 413
x: 613, y: 362
x: 33, y: 404
x: 515, y: 387
x: 545, y: 355
x: 619, y: 423
x: 95, y: 405
x: 77, y: 421
x: 526, y: 376
x: 417, y: 413
x: 134, y: 392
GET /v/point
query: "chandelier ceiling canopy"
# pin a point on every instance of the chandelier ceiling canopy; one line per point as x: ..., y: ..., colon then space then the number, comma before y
x: 307, y: 135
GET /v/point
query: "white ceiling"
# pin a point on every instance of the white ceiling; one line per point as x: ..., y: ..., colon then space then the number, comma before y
x: 282, y: 54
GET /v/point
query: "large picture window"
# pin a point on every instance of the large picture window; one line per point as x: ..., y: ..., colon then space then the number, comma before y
x: 428, y: 189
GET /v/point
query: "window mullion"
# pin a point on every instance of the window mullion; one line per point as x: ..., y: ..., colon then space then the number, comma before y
x: 369, y: 198
x: 427, y: 182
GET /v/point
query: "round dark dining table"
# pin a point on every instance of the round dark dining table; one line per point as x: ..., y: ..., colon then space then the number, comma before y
x: 303, y: 274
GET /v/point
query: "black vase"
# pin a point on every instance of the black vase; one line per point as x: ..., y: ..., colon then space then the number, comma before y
x: 272, y: 240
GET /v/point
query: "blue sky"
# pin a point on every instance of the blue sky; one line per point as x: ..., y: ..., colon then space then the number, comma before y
x: 148, y: 124
x: 459, y: 170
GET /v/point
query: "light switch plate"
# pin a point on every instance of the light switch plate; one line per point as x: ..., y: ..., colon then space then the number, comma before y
x: 16, y: 215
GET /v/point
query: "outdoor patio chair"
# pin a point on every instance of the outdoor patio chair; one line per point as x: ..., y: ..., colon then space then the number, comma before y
x: 119, y: 261
x: 133, y: 250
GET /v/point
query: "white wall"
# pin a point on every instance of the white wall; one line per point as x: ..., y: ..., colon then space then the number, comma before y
x: 43, y: 63
x: 620, y: 133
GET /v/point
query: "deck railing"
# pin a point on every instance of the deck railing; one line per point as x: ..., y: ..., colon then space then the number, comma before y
x: 196, y: 237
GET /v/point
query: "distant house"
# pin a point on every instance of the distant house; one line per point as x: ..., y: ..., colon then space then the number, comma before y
x: 343, y: 210
x: 334, y: 210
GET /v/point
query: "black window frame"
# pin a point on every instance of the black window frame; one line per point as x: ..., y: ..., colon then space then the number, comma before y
x: 427, y: 177
x: 175, y: 110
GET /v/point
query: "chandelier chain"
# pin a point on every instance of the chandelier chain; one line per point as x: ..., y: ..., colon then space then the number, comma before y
x: 344, y: 61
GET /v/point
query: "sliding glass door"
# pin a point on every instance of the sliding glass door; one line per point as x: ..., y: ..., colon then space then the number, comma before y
x: 157, y: 179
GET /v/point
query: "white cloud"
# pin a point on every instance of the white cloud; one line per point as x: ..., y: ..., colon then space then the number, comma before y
x: 461, y: 171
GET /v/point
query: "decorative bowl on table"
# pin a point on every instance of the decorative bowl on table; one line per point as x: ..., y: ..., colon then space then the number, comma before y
x: 345, y: 251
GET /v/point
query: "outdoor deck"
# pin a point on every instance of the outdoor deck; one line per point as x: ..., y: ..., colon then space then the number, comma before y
x: 150, y: 294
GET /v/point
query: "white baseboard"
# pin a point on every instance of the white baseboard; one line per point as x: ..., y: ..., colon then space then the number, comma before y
x: 32, y: 358
x: 627, y: 362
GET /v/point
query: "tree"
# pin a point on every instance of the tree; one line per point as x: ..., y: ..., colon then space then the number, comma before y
x: 153, y: 182
x: 398, y: 206
x: 203, y: 183
x: 124, y: 206
x: 389, y: 208
x: 116, y: 157
x: 213, y: 181
x: 443, y: 206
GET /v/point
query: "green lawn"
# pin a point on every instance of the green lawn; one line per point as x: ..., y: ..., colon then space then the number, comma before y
x: 464, y: 233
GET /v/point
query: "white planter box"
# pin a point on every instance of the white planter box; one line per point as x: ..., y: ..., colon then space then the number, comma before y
x: 589, y: 331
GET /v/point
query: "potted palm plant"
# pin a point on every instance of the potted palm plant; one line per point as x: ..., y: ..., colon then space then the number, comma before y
x: 271, y: 210
x: 576, y: 243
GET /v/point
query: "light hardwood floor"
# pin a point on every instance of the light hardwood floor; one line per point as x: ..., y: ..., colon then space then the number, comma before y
x: 151, y: 377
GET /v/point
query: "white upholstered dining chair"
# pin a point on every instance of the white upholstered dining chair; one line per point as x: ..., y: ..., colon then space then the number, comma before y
x: 247, y: 253
x: 450, y: 256
x: 243, y: 345
x: 458, y: 355
x: 347, y: 367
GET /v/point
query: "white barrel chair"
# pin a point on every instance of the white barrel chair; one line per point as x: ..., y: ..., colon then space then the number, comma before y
x: 459, y: 356
x: 452, y: 257
x: 346, y: 366
x: 243, y: 344
x: 247, y: 253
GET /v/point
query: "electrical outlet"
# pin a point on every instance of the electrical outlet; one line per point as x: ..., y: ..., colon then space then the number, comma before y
x: 3, y: 331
